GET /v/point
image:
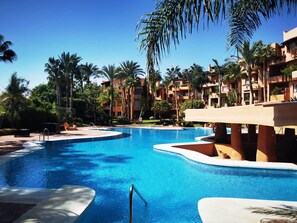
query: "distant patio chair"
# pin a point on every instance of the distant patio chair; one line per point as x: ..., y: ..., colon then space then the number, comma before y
x: 67, y: 127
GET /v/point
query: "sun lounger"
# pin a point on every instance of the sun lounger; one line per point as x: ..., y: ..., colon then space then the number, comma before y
x: 67, y: 127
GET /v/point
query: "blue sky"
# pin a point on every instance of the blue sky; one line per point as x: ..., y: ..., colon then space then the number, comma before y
x: 102, y: 33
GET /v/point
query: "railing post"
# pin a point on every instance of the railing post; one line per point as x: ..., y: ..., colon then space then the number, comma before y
x: 133, y: 188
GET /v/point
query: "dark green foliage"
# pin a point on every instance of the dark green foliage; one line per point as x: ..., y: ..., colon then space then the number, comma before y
x: 162, y: 108
x: 32, y: 118
x: 188, y: 104
x: 123, y: 121
x: 231, y: 98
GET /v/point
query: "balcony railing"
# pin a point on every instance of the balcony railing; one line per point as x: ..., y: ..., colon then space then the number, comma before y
x: 275, y: 79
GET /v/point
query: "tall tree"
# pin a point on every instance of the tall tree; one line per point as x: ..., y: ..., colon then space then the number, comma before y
x: 233, y: 73
x: 248, y: 60
x: 197, y: 77
x: 88, y: 70
x: 172, y: 20
x: 153, y: 78
x: 69, y: 65
x: 220, y: 74
x: 6, y: 54
x: 131, y: 70
x: 264, y: 55
x: 174, y: 75
x: 13, y: 96
x: 110, y: 73
x: 52, y: 68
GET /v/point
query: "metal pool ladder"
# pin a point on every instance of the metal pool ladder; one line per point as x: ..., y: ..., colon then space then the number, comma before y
x: 91, y: 123
x: 43, y: 134
x: 133, y: 188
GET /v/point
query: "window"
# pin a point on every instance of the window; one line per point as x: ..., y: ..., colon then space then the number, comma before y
x: 137, y: 103
x: 246, y: 96
x: 137, y: 91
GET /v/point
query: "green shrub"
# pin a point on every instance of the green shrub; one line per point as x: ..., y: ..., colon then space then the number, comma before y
x: 123, y: 121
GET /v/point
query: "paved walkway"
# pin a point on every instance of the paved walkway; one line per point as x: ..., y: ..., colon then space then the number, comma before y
x: 9, y: 143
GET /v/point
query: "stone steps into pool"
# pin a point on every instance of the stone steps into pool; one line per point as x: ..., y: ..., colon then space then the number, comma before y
x: 62, y: 205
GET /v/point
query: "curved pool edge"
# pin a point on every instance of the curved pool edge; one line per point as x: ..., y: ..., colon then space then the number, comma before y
x: 201, y: 158
x: 32, y: 146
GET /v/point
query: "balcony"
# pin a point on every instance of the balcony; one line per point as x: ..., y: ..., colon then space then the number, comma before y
x: 277, y: 97
x: 275, y: 79
x: 184, y: 87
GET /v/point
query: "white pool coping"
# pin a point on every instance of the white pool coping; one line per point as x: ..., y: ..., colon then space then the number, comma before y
x: 32, y: 146
x: 237, y: 210
x: 201, y: 158
x: 65, y: 205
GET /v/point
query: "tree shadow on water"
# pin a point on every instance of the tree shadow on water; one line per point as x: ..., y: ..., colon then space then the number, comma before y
x: 116, y: 159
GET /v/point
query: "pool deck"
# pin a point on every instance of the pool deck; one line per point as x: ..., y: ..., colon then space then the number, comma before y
x: 62, y: 205
x: 69, y: 202
x: 231, y: 210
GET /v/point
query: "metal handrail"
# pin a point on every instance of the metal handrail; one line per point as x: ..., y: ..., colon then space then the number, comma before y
x: 91, y: 123
x: 133, y: 188
x: 43, y: 134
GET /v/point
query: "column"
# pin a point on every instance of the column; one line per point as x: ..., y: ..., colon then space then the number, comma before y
x: 221, y: 133
x: 252, y: 135
x: 236, y: 143
x: 266, y: 144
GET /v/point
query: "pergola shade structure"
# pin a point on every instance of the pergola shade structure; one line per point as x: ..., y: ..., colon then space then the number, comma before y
x: 266, y: 116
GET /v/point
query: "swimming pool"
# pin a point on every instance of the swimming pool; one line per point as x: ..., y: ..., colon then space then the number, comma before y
x: 171, y: 184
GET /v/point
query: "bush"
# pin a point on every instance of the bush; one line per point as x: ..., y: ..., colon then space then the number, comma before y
x: 123, y: 121
x: 32, y: 118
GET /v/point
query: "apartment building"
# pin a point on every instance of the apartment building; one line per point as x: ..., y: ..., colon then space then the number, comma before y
x: 272, y: 85
x: 127, y: 102
x: 286, y: 53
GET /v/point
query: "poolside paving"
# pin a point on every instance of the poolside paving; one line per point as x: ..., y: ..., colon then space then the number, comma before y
x: 236, y: 210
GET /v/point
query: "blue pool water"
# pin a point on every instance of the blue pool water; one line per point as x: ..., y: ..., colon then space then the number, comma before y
x: 171, y: 184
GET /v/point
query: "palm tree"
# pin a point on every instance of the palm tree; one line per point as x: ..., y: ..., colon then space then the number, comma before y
x: 173, y: 19
x: 131, y: 70
x: 13, y: 95
x: 6, y: 54
x: 248, y: 60
x: 232, y: 72
x: 220, y: 74
x: 174, y: 74
x: 165, y: 83
x: 122, y: 76
x: 52, y: 68
x: 69, y: 65
x: 265, y: 54
x: 153, y: 78
x: 89, y: 70
x: 110, y: 72
x: 197, y: 78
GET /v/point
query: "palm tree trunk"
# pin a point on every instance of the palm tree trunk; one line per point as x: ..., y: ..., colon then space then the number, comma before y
x: 176, y: 105
x: 264, y: 82
x: 251, y: 87
x: 129, y: 103
x: 111, y: 104
x: 71, y: 97
x: 124, y: 107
